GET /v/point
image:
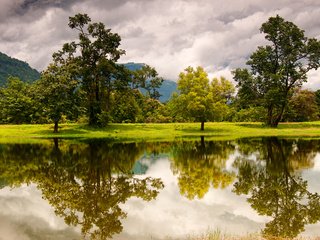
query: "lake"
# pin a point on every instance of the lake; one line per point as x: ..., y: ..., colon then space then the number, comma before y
x: 97, y: 189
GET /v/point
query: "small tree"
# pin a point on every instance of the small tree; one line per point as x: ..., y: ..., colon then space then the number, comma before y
x: 58, y: 92
x: 195, y: 101
x: 16, y: 102
x: 277, y: 68
x: 199, y: 100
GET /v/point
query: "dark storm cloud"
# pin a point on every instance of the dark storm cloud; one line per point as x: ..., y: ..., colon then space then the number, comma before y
x: 26, y: 5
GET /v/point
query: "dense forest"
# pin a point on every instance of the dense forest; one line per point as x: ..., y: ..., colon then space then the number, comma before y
x: 85, y: 83
x: 16, y: 68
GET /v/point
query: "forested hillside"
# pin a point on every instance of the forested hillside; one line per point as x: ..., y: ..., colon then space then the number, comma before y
x: 14, y: 67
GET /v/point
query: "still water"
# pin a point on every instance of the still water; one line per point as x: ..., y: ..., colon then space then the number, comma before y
x: 166, y: 190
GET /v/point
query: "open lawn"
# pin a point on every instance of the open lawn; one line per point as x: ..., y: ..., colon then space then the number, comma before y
x: 153, y: 132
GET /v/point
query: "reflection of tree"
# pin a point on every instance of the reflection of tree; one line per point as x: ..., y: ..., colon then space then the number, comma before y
x: 200, y: 165
x: 18, y: 162
x: 275, y: 189
x: 85, y: 183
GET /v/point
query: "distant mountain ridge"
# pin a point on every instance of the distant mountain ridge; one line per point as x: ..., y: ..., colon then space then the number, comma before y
x: 16, y: 68
x: 167, y: 88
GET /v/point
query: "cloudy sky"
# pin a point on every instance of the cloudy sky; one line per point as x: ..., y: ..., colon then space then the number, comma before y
x: 167, y: 34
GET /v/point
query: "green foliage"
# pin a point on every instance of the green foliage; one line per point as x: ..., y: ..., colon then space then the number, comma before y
x: 58, y: 92
x: 95, y: 54
x: 16, y: 68
x: 165, y: 90
x: 195, y: 101
x: 199, y: 100
x: 16, y: 102
x: 126, y: 106
x: 147, y: 78
x: 250, y: 114
x: 302, y: 107
x: 223, y: 94
x: 277, y: 68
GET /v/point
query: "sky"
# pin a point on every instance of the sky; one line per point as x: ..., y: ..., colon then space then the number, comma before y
x: 169, y: 35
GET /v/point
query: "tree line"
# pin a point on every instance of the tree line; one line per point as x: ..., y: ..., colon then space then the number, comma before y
x: 84, y: 82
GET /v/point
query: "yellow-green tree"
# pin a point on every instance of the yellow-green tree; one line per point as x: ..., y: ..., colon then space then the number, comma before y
x: 223, y: 93
x: 198, y: 99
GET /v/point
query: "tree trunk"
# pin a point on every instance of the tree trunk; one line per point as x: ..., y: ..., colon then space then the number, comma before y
x: 269, y: 117
x: 55, y: 129
x: 202, y: 126
x: 94, y: 111
x: 279, y: 117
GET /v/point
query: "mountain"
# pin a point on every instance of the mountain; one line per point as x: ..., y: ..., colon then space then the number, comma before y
x: 16, y: 68
x: 167, y: 88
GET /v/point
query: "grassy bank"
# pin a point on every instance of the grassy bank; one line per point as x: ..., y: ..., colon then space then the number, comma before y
x: 163, y: 132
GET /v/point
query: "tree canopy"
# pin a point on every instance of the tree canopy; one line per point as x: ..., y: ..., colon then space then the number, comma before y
x: 277, y: 68
x: 95, y: 54
x: 198, y: 99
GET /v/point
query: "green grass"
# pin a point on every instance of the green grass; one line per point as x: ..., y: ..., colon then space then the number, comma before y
x: 157, y: 132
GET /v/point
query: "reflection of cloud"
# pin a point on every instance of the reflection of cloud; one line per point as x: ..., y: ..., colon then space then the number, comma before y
x: 312, y: 175
x: 25, y: 215
x: 179, y: 216
x: 316, y: 166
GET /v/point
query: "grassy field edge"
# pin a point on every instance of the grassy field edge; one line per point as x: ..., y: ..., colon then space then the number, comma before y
x: 157, y: 132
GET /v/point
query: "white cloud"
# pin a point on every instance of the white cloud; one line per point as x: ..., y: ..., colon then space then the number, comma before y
x: 169, y: 35
x: 180, y: 217
x: 25, y: 215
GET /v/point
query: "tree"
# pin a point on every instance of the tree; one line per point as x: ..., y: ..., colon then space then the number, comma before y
x: 58, y: 91
x: 148, y: 79
x: 95, y: 54
x: 16, y: 102
x: 277, y: 68
x: 195, y: 101
x: 302, y: 107
x: 199, y: 100
x: 222, y: 93
x: 317, y: 96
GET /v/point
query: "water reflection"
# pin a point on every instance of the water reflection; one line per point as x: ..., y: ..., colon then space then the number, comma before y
x: 84, y: 183
x: 200, y: 165
x: 274, y: 183
x: 87, y: 184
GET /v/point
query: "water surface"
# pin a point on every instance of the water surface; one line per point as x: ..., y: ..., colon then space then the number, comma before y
x: 101, y: 190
